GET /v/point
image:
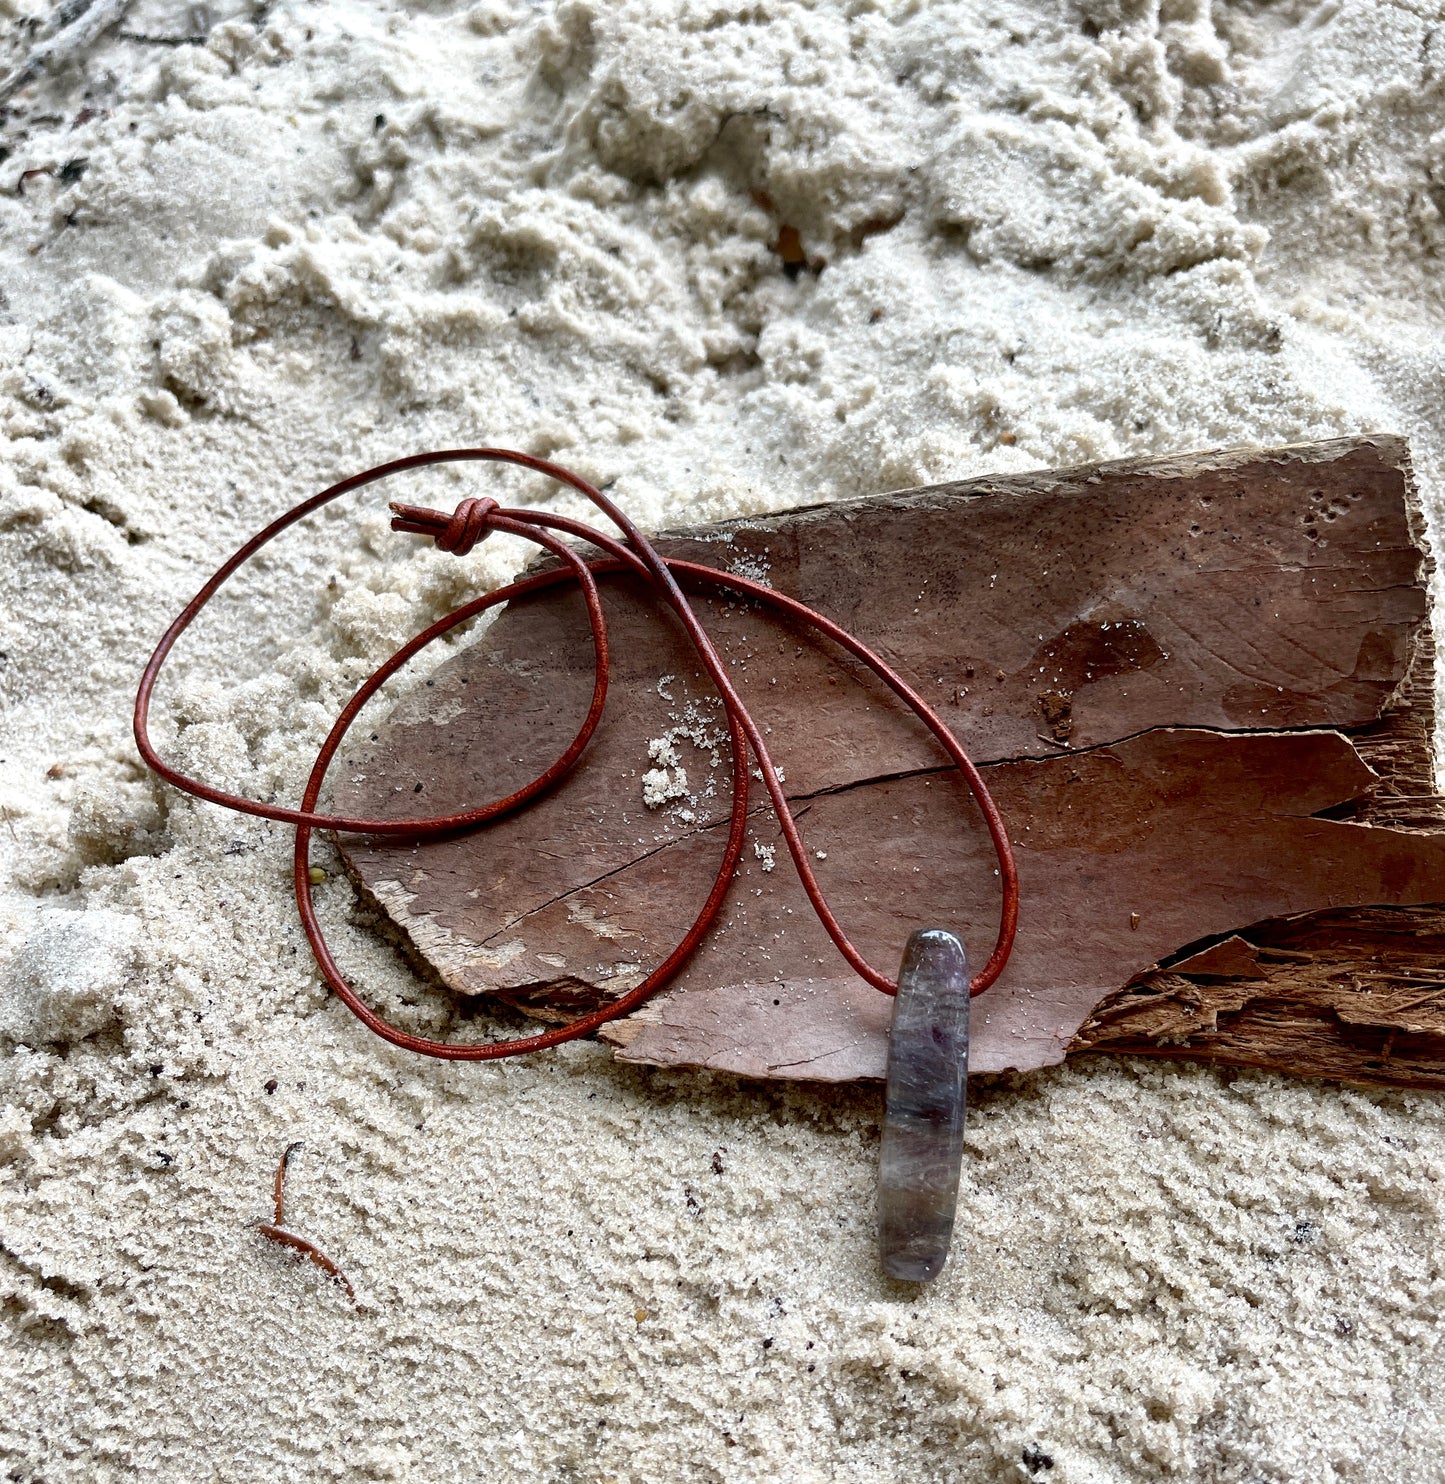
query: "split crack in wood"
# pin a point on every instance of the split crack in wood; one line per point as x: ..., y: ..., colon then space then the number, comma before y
x: 1172, y: 804
x: 762, y: 813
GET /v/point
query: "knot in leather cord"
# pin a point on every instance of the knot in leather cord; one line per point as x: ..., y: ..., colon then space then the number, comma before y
x: 458, y: 532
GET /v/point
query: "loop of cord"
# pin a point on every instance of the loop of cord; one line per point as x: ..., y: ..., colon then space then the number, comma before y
x: 472, y: 521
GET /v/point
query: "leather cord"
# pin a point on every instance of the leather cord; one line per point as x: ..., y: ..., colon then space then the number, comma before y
x: 472, y: 521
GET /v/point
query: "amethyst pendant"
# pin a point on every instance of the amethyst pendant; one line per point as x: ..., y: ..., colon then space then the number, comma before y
x: 927, y: 1089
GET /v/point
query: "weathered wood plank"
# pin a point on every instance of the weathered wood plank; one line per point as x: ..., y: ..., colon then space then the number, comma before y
x: 1156, y: 663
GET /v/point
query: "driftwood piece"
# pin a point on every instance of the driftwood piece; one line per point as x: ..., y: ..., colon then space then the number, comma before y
x: 1201, y: 688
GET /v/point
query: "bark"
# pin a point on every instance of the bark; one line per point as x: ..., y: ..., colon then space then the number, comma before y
x: 1201, y: 689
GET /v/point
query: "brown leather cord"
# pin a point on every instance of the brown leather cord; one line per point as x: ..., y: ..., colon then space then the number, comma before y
x: 410, y: 828
x: 470, y: 523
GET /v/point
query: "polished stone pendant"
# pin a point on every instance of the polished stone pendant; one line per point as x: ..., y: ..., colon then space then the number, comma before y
x: 927, y: 1089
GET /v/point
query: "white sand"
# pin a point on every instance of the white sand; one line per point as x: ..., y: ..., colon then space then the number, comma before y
x: 348, y: 231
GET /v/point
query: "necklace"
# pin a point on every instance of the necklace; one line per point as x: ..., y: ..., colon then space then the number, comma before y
x: 926, y: 1085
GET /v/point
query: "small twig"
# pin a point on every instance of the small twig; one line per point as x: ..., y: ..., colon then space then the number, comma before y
x: 311, y: 1250
x: 9, y: 823
x: 141, y: 39
x: 278, y: 1233
x: 71, y: 38
x: 286, y: 1154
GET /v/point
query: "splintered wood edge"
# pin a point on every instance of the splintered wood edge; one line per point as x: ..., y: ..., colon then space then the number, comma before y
x: 1400, y: 747
x: 1364, y: 999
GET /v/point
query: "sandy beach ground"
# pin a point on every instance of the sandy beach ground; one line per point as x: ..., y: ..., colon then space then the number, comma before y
x: 269, y: 245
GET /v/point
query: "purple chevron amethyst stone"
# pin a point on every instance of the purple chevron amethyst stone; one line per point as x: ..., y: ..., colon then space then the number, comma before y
x: 927, y: 1089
